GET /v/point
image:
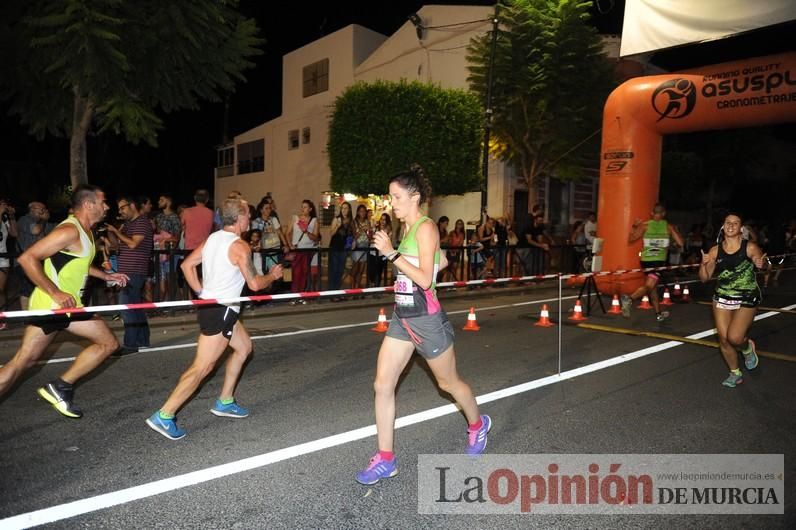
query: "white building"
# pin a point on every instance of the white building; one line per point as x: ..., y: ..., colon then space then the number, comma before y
x: 287, y: 155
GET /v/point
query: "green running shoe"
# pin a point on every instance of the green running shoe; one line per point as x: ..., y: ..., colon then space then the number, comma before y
x: 750, y: 359
x: 732, y: 380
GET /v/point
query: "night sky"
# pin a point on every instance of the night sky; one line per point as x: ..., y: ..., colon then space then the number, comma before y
x: 185, y: 157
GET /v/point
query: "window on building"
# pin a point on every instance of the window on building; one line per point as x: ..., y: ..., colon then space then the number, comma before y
x: 293, y: 139
x: 225, y: 156
x: 225, y: 161
x: 327, y: 215
x: 305, y: 135
x: 251, y: 157
x: 316, y: 78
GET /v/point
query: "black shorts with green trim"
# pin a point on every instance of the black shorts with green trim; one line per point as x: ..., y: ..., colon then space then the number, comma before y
x: 751, y: 300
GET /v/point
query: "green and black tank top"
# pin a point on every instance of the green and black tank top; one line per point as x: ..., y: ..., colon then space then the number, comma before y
x: 736, y: 283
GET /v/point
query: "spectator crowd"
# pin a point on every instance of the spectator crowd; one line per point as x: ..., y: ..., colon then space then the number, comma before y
x: 147, y: 240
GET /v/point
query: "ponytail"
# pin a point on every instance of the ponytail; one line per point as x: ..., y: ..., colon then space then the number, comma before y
x: 414, y: 181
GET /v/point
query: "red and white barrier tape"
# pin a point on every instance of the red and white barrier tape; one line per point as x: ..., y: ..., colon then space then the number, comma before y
x: 315, y: 294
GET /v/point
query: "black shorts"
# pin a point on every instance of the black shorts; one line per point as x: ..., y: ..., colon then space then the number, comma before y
x: 750, y: 299
x: 216, y: 319
x: 655, y: 275
x: 52, y: 323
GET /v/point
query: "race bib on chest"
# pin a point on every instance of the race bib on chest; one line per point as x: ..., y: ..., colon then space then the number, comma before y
x: 404, y: 291
x: 656, y: 242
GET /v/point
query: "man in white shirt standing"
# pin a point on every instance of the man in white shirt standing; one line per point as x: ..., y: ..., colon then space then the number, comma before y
x: 226, y: 266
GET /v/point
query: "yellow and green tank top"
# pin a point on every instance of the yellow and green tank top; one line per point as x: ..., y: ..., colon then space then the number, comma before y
x: 67, y: 270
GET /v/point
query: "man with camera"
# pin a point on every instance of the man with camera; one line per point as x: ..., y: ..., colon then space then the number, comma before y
x: 31, y: 227
x: 8, y: 228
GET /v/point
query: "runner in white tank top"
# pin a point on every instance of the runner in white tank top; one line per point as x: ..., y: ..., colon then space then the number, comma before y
x: 226, y: 265
x: 221, y: 277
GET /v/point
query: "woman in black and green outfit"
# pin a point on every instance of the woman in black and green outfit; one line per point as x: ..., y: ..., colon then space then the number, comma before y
x: 737, y: 295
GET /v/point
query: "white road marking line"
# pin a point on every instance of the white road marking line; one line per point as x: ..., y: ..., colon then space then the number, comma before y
x: 115, y: 498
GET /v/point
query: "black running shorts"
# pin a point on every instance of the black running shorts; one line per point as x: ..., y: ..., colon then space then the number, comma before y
x: 52, y: 323
x: 216, y: 319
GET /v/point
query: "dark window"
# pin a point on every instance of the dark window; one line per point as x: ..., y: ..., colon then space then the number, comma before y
x: 305, y: 135
x: 251, y: 157
x: 327, y: 215
x: 316, y: 78
x: 293, y: 139
x: 225, y: 157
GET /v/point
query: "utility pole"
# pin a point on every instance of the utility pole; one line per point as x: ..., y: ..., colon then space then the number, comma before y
x: 488, y: 118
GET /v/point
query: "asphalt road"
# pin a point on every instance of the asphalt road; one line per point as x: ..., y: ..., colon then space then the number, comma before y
x: 310, y: 378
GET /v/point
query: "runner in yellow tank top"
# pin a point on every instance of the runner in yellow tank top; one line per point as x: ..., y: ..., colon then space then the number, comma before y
x: 58, y: 264
x: 68, y: 270
x: 419, y: 323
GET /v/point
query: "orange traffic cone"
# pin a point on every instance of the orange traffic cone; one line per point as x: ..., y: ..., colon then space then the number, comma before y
x: 686, y: 294
x: 577, y: 312
x: 544, y: 318
x: 471, y: 325
x: 667, y: 299
x: 645, y: 303
x: 615, y: 306
x: 381, y: 324
x: 677, y: 291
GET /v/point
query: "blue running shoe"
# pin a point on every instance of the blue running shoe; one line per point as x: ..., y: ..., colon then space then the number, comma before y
x: 167, y: 428
x: 750, y: 359
x: 377, y: 469
x: 233, y: 410
x: 476, y: 440
x: 732, y: 380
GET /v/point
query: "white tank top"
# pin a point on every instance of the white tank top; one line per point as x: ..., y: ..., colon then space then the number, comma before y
x: 220, y: 278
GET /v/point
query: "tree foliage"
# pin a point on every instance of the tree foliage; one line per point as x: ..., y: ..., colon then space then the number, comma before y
x: 378, y: 129
x: 70, y: 67
x: 550, y: 81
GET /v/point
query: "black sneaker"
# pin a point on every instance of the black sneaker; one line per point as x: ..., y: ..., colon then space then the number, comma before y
x: 61, y: 400
x: 124, y: 350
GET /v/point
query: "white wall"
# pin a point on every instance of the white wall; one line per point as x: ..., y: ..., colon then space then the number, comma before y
x: 303, y: 173
x: 355, y: 54
x: 466, y: 207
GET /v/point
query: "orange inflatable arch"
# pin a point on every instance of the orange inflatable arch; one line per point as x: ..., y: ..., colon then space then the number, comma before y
x: 638, y: 113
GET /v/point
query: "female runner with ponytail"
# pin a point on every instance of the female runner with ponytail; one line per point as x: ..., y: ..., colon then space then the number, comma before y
x: 418, y: 323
